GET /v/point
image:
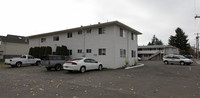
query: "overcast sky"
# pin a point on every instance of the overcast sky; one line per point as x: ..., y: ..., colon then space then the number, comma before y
x: 151, y: 17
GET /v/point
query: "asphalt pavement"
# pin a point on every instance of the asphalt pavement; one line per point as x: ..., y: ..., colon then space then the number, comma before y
x: 154, y: 80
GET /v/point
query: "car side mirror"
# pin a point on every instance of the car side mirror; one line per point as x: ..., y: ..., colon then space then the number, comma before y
x: 96, y: 62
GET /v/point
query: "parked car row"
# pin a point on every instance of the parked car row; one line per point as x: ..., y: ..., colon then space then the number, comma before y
x: 176, y: 59
x: 57, y: 62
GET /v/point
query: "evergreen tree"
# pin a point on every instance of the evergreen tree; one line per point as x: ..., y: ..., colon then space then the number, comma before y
x: 30, y: 51
x: 180, y: 41
x: 155, y: 41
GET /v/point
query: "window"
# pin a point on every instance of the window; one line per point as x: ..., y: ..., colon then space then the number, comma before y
x: 133, y: 36
x: 101, y: 30
x: 69, y: 35
x: 89, y: 31
x: 43, y: 40
x: 88, y: 50
x: 79, y: 51
x: 102, y: 51
x: 0, y: 42
x: 122, y: 53
x: 133, y: 53
x: 79, y: 32
x: 56, y: 38
x: 122, y: 33
x: 70, y: 52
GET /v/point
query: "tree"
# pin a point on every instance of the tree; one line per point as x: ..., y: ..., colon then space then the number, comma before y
x: 155, y: 41
x: 30, y: 51
x: 64, y: 51
x: 180, y: 41
x: 48, y: 50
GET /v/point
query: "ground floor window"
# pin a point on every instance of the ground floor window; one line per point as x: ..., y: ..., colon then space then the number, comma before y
x: 133, y: 53
x: 102, y: 51
x: 123, y: 53
x: 70, y: 52
x: 88, y: 50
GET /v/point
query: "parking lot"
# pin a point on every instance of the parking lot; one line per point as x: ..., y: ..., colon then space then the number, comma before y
x: 154, y: 80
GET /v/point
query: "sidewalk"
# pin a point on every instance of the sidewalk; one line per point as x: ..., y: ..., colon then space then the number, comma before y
x: 197, y: 61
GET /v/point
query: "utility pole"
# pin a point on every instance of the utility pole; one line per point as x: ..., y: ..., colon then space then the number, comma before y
x: 197, y: 44
x: 197, y: 40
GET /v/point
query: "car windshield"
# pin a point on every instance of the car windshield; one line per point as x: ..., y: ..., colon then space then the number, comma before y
x: 182, y: 57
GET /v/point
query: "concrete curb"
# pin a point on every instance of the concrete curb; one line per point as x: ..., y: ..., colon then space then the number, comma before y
x: 138, y: 65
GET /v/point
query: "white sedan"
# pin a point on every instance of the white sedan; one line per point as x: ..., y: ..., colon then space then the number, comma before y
x: 82, y: 65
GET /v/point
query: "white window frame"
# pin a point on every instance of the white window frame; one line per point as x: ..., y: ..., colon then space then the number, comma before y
x: 133, y: 53
x: 122, y: 53
x: 69, y: 35
x: 43, y: 40
x: 88, y: 50
x: 89, y: 30
x: 122, y: 33
x: 79, y: 51
x: 56, y: 38
x: 80, y: 32
x: 101, y: 30
x: 102, y: 51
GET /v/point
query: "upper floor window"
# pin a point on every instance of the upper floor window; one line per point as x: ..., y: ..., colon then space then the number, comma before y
x: 69, y: 35
x: 88, y: 50
x: 102, y: 51
x: 133, y: 36
x: 56, y: 38
x: 122, y: 53
x: 79, y: 51
x: 79, y: 32
x: 43, y: 40
x: 122, y: 33
x: 89, y: 31
x: 101, y: 30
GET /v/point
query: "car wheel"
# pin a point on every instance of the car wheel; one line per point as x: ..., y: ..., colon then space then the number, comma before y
x: 100, y: 67
x: 166, y: 62
x: 58, y: 67
x: 37, y: 63
x: 48, y: 68
x: 82, y: 69
x: 182, y: 63
x: 18, y: 64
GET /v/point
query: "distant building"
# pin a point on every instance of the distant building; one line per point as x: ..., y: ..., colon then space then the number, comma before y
x: 111, y: 43
x: 155, y: 52
x: 12, y: 45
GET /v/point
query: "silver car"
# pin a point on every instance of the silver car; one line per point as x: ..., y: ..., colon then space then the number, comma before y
x: 176, y: 59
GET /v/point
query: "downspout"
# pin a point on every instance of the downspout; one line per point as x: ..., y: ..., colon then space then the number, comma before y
x: 127, y: 57
x: 83, y: 55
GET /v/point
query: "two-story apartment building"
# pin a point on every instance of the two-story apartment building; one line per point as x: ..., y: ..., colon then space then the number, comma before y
x: 112, y: 43
x: 12, y: 45
x: 156, y: 52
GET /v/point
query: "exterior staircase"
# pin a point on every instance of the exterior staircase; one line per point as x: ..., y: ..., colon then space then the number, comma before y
x: 155, y: 54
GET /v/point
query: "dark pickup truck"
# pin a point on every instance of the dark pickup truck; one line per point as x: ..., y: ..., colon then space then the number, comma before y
x: 53, y: 62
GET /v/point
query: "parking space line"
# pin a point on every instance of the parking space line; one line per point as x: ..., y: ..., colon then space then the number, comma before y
x: 190, y: 68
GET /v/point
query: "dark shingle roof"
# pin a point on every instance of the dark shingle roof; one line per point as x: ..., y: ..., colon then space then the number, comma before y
x: 14, y: 39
